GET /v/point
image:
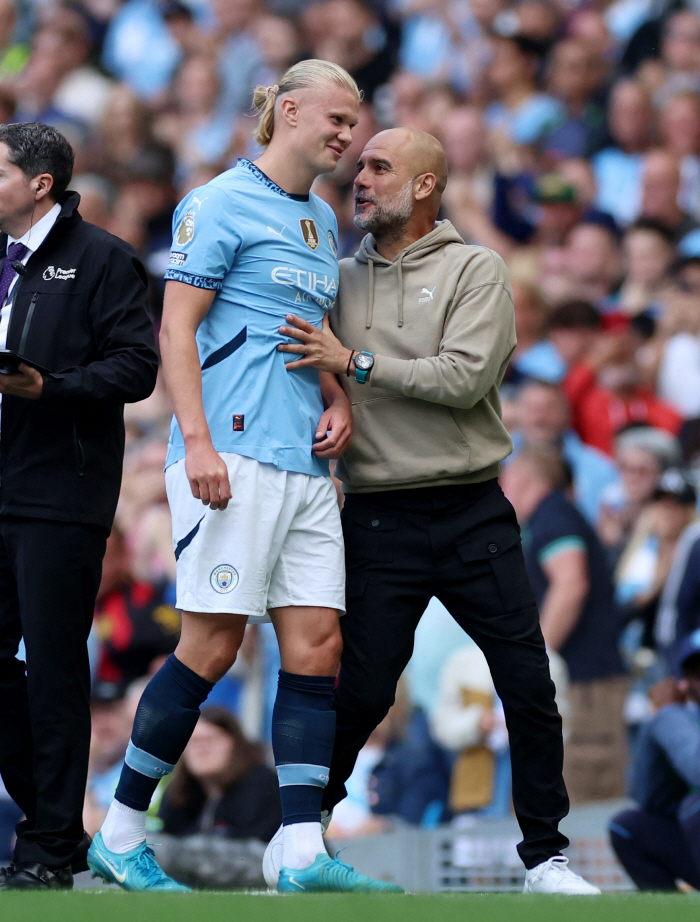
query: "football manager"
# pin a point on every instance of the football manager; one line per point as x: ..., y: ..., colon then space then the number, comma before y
x: 73, y: 305
x: 421, y: 336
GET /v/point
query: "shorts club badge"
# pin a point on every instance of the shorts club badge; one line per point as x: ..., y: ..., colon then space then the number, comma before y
x: 223, y: 578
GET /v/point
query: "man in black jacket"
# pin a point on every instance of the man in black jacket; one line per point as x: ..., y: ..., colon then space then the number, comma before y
x: 73, y: 304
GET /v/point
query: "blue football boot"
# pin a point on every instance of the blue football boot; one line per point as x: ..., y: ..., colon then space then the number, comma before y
x: 328, y: 875
x: 136, y: 870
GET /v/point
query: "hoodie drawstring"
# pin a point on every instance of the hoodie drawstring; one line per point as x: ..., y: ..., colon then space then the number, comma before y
x: 370, y: 300
x: 400, y: 264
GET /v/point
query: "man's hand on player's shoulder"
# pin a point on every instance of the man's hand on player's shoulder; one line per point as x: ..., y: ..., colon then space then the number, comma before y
x: 207, y: 474
x: 320, y: 348
x: 334, y: 430
x: 27, y: 383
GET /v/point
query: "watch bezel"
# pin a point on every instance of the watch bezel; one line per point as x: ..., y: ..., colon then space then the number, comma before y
x: 363, y: 361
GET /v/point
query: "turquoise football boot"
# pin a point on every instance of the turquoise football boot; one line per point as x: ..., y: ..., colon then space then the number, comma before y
x: 136, y: 870
x: 328, y: 875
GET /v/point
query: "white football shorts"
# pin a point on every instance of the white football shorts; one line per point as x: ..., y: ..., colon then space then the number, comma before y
x: 279, y: 542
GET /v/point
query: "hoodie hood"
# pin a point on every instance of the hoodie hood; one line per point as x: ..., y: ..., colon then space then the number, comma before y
x: 443, y: 233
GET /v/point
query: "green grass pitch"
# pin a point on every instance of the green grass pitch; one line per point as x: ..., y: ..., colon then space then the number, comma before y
x: 110, y: 906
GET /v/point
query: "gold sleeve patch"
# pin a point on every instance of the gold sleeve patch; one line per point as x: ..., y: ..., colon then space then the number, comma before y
x: 185, y: 231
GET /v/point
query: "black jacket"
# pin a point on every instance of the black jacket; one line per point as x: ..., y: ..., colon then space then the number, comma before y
x: 79, y: 312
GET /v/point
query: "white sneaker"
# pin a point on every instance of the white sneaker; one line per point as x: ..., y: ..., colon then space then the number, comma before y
x: 272, y: 859
x: 554, y: 876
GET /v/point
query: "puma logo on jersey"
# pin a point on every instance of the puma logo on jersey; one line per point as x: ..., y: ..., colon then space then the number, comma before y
x: 279, y: 233
x: 428, y: 292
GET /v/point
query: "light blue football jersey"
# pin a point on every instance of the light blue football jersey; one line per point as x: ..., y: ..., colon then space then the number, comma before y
x: 267, y: 254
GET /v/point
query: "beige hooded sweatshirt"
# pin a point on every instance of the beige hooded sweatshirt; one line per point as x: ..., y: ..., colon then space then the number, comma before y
x: 439, y: 320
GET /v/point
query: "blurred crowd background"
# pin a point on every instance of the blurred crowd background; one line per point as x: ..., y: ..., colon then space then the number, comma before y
x: 572, y: 131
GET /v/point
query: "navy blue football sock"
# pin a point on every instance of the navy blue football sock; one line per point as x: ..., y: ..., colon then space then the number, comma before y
x: 303, y: 728
x: 166, y: 716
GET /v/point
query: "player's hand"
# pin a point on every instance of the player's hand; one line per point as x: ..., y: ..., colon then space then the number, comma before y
x: 27, y: 383
x: 334, y: 431
x: 207, y: 475
x: 319, y: 348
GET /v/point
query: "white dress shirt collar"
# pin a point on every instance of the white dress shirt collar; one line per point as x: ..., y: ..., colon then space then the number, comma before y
x: 36, y: 235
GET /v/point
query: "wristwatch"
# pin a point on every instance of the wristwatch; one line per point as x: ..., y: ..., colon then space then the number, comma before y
x: 364, y: 363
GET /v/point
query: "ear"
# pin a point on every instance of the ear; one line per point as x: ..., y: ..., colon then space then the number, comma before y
x: 424, y: 186
x: 42, y: 185
x: 290, y: 111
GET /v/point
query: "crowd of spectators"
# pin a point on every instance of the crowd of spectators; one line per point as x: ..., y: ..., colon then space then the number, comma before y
x: 572, y: 133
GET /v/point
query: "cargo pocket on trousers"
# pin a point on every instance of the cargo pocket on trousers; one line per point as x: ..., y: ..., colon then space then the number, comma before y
x: 369, y: 535
x: 355, y: 585
x: 504, y: 554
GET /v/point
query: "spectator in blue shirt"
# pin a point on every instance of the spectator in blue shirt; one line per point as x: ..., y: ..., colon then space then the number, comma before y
x: 618, y: 168
x: 658, y: 844
x: 567, y: 569
x: 679, y: 608
x: 521, y: 114
x: 544, y: 419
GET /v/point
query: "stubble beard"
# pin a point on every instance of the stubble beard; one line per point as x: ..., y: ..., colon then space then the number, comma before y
x: 388, y: 219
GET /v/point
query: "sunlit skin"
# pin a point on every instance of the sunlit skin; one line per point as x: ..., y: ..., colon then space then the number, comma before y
x: 313, y: 129
x: 24, y: 200
x: 391, y: 160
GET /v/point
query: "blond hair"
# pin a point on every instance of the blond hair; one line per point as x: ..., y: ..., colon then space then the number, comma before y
x: 311, y: 73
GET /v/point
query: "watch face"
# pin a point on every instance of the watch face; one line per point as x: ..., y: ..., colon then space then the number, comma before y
x: 363, y: 362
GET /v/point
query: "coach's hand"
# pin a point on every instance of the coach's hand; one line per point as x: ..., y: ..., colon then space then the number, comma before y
x: 320, y: 348
x: 27, y: 383
x: 334, y: 430
x: 207, y: 475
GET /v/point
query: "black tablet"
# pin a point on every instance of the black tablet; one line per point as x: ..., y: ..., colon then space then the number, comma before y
x: 9, y: 363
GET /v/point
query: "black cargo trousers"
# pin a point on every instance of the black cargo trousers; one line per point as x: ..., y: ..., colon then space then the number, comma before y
x: 49, y: 576
x: 462, y: 545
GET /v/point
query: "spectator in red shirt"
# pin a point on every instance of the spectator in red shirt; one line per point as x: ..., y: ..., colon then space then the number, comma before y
x: 603, y: 383
x: 135, y: 621
x: 618, y: 400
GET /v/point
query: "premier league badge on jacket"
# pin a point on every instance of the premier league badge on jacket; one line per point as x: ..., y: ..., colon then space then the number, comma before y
x: 185, y: 231
x: 308, y: 229
x: 223, y: 578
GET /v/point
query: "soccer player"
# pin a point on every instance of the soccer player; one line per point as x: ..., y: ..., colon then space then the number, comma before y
x: 255, y: 518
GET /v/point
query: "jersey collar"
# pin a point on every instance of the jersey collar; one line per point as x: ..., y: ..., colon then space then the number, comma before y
x: 264, y: 178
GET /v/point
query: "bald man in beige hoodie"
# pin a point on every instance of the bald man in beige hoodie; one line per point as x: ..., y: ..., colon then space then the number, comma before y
x: 420, y: 338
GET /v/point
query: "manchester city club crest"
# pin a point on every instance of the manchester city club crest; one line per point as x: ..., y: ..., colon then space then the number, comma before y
x: 224, y: 578
x: 185, y: 231
x: 332, y: 244
x: 308, y: 229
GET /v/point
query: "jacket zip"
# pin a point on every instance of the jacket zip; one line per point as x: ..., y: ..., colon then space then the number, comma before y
x: 24, y: 333
x: 27, y: 322
x: 79, y: 450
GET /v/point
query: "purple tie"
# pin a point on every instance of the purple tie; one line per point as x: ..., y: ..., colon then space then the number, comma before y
x: 15, y: 251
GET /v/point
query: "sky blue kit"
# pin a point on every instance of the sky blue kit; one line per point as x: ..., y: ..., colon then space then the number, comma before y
x: 267, y: 254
